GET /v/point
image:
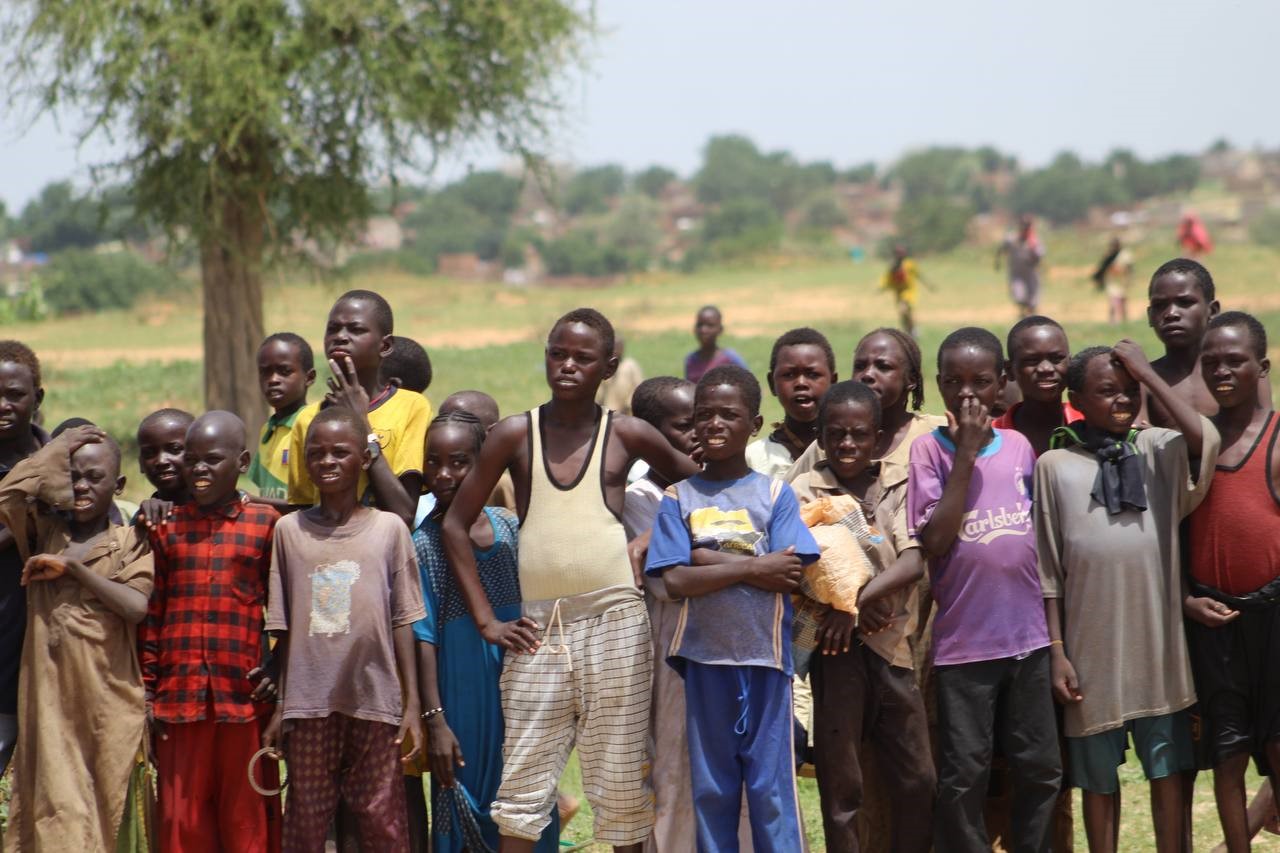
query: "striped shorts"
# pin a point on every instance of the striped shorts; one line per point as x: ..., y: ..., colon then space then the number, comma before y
x: 588, y: 683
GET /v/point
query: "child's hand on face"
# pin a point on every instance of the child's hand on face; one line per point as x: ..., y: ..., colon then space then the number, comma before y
x: 779, y: 571
x: 345, y: 388
x: 78, y: 437
x: 971, y: 429
x: 44, y: 567
x: 1130, y: 354
x: 1207, y: 611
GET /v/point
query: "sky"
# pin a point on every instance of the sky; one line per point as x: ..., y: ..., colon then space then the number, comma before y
x: 852, y: 80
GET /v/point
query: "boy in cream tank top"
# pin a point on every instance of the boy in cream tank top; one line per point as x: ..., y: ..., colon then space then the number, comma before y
x: 579, y: 660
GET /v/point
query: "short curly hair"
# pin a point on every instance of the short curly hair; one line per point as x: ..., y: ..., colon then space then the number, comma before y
x: 649, y: 400
x: 591, y: 318
x: 804, y: 336
x: 1248, y: 322
x: 736, y: 377
x: 19, y: 353
x: 1079, y: 366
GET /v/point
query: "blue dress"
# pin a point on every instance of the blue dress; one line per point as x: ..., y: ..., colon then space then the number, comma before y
x: 468, y: 669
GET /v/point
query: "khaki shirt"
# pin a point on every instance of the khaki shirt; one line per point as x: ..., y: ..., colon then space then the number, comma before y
x: 886, y: 511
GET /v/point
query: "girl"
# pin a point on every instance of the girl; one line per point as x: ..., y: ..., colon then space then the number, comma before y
x: 458, y: 670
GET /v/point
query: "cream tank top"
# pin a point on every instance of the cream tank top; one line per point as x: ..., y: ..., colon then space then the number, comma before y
x: 570, y: 541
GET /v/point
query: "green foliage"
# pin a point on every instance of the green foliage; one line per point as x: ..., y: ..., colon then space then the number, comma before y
x: 741, y: 227
x: 590, y: 190
x: 863, y: 173
x: 291, y: 107
x: 576, y: 253
x: 653, y: 180
x: 633, y: 232
x: 933, y: 223
x: 733, y: 168
x: 823, y: 211
x: 78, y: 281
x: 27, y: 306
x: 1064, y: 190
x: 937, y: 171
x: 1265, y: 228
x: 1141, y: 180
x: 60, y: 218
x: 493, y: 195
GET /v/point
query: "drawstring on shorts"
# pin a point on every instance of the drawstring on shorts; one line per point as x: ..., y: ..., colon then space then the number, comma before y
x: 557, y: 622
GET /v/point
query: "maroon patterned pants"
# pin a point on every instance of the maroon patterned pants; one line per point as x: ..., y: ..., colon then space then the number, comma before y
x: 341, y: 757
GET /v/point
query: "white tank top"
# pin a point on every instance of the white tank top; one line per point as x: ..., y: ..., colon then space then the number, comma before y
x: 570, y: 541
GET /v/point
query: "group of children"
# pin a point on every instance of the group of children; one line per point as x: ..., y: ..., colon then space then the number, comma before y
x: 955, y: 619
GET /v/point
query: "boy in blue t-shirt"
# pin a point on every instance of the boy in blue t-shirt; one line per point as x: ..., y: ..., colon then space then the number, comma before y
x: 730, y: 543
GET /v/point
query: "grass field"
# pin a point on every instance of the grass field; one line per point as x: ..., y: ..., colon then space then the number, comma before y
x: 115, y: 367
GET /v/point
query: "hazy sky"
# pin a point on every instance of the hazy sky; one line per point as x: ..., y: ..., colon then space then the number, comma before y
x: 853, y: 81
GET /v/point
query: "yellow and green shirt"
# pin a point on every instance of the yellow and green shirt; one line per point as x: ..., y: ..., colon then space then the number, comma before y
x: 400, y: 421
x: 269, y: 470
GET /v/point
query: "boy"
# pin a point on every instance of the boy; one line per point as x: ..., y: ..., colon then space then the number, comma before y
x: 87, y: 580
x: 1038, y: 356
x: 569, y: 460
x: 202, y: 638
x: 357, y: 338
x: 1235, y: 563
x: 485, y: 409
x: 1109, y: 500
x: 667, y: 403
x: 286, y: 369
x: 162, y: 439
x: 732, y: 645
x: 801, y: 369
x: 903, y: 280
x: 20, y: 396
x: 344, y: 597
x: 969, y: 507
x: 707, y: 328
x: 863, y: 684
x: 408, y: 366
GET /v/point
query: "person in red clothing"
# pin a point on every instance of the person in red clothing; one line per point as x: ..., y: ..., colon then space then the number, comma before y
x: 202, y: 646
x: 1038, y: 357
x: 1233, y: 629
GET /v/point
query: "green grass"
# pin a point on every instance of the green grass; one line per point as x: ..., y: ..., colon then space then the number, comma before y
x: 116, y: 366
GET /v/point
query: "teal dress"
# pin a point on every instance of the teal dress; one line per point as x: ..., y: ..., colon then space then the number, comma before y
x: 468, y: 669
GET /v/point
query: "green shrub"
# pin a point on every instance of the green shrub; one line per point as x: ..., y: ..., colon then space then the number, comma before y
x: 78, y: 281
x: 932, y: 224
x: 1265, y: 229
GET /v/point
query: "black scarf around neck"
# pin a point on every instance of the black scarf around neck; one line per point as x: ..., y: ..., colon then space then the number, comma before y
x: 1119, y: 484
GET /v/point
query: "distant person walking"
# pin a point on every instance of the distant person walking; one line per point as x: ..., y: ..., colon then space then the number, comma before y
x: 1025, y: 251
x: 1193, y: 237
x: 903, y: 280
x: 1114, y: 275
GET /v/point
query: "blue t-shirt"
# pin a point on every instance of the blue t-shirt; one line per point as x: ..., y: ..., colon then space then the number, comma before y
x: 755, y: 515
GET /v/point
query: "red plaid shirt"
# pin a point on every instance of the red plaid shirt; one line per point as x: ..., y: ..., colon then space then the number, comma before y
x: 203, y: 631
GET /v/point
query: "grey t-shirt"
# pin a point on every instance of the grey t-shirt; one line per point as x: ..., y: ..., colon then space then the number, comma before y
x: 340, y: 592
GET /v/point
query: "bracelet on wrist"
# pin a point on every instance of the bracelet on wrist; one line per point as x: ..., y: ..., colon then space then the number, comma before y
x: 1055, y: 642
x: 427, y: 715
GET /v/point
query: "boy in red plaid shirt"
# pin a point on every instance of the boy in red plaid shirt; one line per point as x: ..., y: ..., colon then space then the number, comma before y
x: 202, y: 648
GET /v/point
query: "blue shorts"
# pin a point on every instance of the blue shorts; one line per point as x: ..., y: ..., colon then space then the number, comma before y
x: 1163, y: 745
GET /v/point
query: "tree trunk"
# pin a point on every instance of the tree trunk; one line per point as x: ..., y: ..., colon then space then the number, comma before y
x: 231, y: 275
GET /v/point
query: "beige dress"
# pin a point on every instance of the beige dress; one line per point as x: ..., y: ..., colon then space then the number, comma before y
x: 80, y: 704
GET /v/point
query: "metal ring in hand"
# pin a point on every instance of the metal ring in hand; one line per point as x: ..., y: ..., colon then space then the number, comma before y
x: 253, y: 766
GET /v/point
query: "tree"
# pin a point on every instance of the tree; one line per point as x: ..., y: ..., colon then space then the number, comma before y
x: 589, y: 190
x: 932, y: 224
x: 59, y: 218
x: 256, y: 125
x: 653, y: 180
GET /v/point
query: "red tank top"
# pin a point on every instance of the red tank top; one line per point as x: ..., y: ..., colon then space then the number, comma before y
x: 1235, y: 532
